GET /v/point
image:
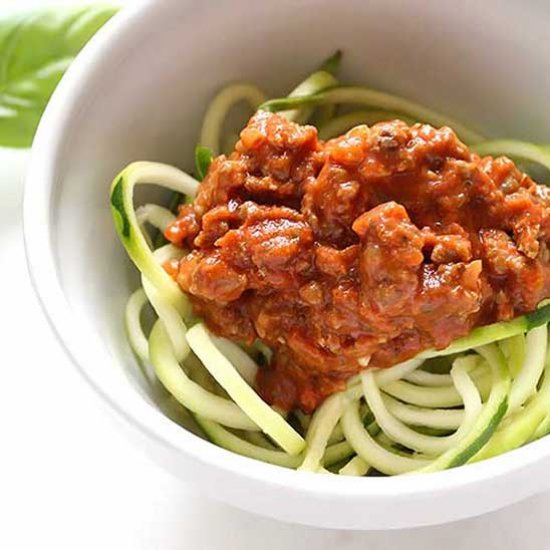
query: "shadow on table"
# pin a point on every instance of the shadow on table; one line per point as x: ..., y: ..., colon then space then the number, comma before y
x: 217, y: 526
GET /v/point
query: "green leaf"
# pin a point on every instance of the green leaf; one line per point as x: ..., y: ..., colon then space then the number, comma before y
x: 203, y: 160
x: 36, y: 47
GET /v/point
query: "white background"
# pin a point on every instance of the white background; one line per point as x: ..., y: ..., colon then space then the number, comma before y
x: 69, y: 481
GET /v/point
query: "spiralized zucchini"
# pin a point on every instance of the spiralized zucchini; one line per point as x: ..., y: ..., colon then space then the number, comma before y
x: 494, y: 397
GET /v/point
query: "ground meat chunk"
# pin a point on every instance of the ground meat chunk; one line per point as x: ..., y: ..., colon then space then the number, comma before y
x: 210, y: 277
x: 186, y: 226
x: 273, y: 245
x: 365, y: 249
x: 390, y: 258
x: 519, y: 278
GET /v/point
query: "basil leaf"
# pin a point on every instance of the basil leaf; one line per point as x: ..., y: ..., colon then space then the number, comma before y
x: 203, y: 160
x: 36, y: 47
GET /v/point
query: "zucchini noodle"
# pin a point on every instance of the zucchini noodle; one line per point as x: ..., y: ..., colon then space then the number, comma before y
x: 514, y: 351
x: 374, y: 453
x: 516, y: 150
x: 402, y: 434
x: 190, y: 394
x: 317, y: 82
x: 211, y: 133
x: 244, y: 396
x: 524, y: 423
x: 136, y: 336
x: 526, y: 380
x: 355, y: 467
x: 491, y: 396
x: 355, y: 95
x: 243, y: 363
x: 542, y: 429
x: 322, y: 425
x: 156, y: 215
x: 423, y: 378
x: 442, y: 419
x: 431, y: 396
x: 488, y: 419
x: 231, y: 442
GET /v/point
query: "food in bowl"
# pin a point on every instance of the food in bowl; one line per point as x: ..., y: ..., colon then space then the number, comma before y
x: 358, y: 292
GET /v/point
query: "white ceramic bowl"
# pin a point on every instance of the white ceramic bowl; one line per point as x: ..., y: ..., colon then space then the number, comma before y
x: 138, y: 91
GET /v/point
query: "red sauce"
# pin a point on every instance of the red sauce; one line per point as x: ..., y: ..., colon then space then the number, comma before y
x: 380, y: 243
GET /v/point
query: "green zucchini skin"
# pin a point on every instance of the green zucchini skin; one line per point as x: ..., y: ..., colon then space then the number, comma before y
x: 488, y: 420
x: 494, y: 332
x: 483, y: 438
x: 203, y: 160
x: 540, y: 316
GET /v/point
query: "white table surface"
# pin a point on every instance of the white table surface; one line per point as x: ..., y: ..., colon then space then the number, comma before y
x: 69, y: 481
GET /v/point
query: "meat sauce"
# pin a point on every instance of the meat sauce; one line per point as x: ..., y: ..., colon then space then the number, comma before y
x: 362, y: 250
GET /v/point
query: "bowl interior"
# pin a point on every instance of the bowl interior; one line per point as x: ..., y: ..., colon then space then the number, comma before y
x: 482, y: 63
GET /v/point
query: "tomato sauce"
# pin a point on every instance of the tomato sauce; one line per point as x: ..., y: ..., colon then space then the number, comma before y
x: 362, y: 250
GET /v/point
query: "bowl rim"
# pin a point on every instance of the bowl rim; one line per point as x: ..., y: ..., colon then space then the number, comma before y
x: 46, y: 158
